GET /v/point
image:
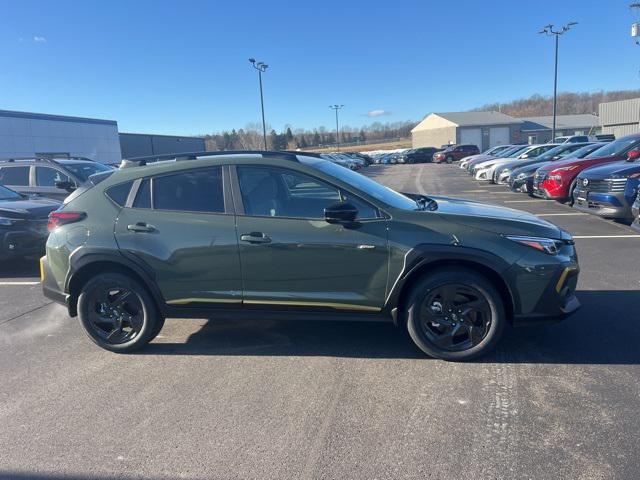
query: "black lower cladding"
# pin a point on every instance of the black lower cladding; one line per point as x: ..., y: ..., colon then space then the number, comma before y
x: 455, y: 317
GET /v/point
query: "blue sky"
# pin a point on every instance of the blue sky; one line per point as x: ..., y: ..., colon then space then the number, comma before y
x: 182, y: 68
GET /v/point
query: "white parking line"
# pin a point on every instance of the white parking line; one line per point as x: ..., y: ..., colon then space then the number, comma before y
x: 521, y: 201
x: 475, y: 191
x: 18, y: 283
x: 605, y: 236
x: 560, y: 214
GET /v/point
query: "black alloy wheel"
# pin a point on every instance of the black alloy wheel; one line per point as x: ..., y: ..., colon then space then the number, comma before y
x: 118, y: 313
x: 455, y: 314
x: 455, y: 317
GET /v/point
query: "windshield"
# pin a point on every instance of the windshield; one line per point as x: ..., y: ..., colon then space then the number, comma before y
x: 549, y: 154
x: 517, y: 151
x: 85, y: 170
x: 586, y: 150
x: 615, y: 148
x: 7, y: 194
x: 365, y: 184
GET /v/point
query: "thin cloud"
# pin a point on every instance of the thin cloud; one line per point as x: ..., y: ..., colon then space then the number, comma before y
x: 39, y: 39
x: 377, y: 113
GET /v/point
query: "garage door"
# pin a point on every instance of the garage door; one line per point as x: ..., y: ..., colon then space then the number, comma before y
x: 499, y: 136
x: 472, y: 136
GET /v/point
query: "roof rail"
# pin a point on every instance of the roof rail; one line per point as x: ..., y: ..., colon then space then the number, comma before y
x: 44, y: 158
x: 140, y: 161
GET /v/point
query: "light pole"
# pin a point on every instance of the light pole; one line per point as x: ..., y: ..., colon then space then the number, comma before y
x: 548, y: 30
x: 336, y: 108
x: 261, y: 67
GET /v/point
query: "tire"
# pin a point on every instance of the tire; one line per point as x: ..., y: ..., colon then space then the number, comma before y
x: 449, y: 159
x: 118, y: 313
x: 569, y: 201
x: 476, y: 335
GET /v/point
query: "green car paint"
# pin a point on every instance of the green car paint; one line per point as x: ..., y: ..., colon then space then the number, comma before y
x: 205, y: 262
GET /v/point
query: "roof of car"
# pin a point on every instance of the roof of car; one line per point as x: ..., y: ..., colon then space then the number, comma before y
x: 60, y: 161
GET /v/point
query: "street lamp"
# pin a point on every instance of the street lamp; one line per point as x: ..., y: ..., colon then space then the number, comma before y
x: 261, y: 67
x: 336, y: 108
x: 548, y: 30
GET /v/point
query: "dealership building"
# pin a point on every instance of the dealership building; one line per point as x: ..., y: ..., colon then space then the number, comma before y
x: 620, y: 118
x: 488, y: 129
x: 24, y: 134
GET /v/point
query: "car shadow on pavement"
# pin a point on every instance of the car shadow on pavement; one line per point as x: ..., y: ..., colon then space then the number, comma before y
x: 20, y: 268
x: 605, y: 331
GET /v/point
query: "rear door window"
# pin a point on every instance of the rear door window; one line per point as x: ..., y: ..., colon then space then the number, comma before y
x: 17, y: 176
x: 192, y: 191
x: 143, y: 197
x: 47, y: 177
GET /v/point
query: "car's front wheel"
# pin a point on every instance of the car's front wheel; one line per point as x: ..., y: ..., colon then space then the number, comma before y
x: 455, y: 314
x: 449, y: 159
x: 118, y: 313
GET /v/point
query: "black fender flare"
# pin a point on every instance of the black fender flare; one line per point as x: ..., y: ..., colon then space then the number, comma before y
x: 423, y: 255
x: 83, y: 257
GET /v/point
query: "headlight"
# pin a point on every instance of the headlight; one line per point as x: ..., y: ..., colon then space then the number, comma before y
x: 506, y: 170
x: 546, y: 245
x: 5, y: 222
x: 521, y: 176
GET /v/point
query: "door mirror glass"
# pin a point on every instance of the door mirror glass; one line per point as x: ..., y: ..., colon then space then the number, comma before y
x: 342, y: 212
x: 65, y: 185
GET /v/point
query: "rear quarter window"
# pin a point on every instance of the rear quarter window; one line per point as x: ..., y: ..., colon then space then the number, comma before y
x: 18, y: 176
x: 119, y: 193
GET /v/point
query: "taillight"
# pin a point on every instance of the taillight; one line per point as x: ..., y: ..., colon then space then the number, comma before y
x: 57, y: 219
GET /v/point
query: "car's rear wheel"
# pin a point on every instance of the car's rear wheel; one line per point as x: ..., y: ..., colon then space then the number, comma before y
x: 118, y: 313
x: 455, y: 314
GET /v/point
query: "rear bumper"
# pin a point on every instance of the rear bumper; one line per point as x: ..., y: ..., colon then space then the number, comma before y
x: 50, y: 288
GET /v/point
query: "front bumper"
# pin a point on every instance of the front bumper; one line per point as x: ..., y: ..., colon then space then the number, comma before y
x: 521, y: 185
x: 608, y: 205
x: 22, y: 241
x: 483, y: 175
x: 558, y: 300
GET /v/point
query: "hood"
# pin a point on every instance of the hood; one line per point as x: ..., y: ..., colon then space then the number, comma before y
x: 612, y: 170
x: 517, y: 164
x: 35, y: 209
x: 494, y: 218
x: 581, y: 162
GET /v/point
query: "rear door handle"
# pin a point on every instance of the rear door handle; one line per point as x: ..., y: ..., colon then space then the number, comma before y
x: 255, y: 237
x: 141, y: 228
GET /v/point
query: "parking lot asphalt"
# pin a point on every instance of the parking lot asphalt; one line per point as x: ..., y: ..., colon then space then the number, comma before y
x: 266, y: 399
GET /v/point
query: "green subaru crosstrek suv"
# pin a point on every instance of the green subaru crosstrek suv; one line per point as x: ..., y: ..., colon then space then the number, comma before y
x: 272, y: 235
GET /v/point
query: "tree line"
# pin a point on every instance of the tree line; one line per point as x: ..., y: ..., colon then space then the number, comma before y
x: 250, y: 137
x: 568, y: 103
x: 290, y: 138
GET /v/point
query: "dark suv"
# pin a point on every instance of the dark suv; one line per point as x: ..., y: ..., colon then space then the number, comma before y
x: 420, y: 155
x: 273, y: 235
x: 48, y: 177
x: 455, y: 153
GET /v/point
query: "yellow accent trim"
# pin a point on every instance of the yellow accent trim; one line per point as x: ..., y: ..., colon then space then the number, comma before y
x: 42, y: 268
x: 184, y: 301
x: 339, y: 306
x: 563, y: 278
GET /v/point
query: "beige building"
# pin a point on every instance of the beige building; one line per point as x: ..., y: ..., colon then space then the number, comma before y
x: 620, y: 118
x: 484, y: 129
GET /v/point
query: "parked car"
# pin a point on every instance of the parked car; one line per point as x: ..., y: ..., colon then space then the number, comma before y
x: 497, y: 151
x: 23, y: 223
x: 603, y: 191
x: 521, y: 178
x: 484, y: 171
x: 574, y: 139
x: 419, y: 155
x: 50, y: 177
x: 509, y: 153
x: 502, y: 173
x: 314, y: 240
x: 558, y: 180
x: 635, y: 210
x: 455, y: 153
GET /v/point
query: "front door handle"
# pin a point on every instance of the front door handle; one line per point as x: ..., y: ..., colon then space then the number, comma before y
x: 141, y: 228
x: 255, y: 237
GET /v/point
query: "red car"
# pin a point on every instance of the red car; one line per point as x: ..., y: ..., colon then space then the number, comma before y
x: 558, y: 179
x: 455, y: 153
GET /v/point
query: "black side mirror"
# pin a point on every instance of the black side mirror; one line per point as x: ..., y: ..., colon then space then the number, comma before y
x: 66, y: 185
x: 342, y: 212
